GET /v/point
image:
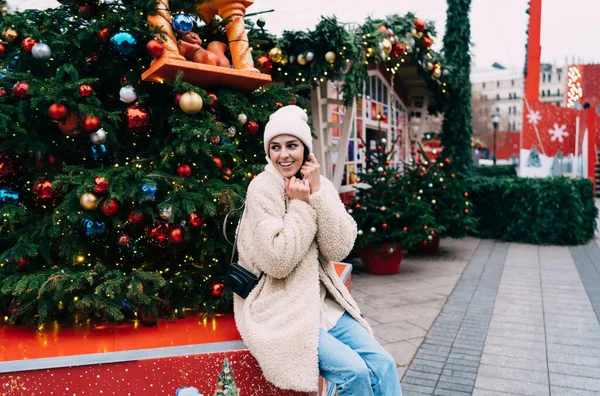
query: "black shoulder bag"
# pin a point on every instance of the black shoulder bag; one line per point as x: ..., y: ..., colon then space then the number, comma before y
x: 239, y: 279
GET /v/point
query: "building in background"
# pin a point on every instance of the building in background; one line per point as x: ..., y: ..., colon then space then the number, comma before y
x: 500, y: 90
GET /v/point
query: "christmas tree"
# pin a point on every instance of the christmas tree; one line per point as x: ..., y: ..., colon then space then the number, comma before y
x: 557, y: 164
x: 386, y: 211
x: 113, y: 190
x: 533, y: 161
x: 434, y: 181
x: 226, y: 383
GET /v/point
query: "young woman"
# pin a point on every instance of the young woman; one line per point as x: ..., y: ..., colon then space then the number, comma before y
x: 300, y: 320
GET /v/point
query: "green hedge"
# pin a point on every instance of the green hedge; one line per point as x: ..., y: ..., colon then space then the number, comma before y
x: 557, y: 211
x: 494, y: 171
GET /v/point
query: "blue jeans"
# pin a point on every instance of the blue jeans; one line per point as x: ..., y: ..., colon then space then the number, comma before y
x: 355, y: 362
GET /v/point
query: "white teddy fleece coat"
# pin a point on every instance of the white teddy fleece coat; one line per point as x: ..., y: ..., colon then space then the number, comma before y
x: 279, y: 321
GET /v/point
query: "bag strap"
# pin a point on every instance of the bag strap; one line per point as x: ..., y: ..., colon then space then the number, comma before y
x: 234, y: 244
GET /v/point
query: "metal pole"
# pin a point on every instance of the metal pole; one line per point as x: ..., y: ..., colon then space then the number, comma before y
x: 495, y: 130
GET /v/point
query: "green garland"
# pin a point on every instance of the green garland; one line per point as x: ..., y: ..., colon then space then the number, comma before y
x: 457, y: 130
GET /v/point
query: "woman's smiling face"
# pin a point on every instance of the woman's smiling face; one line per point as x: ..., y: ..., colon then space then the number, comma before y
x: 287, y: 154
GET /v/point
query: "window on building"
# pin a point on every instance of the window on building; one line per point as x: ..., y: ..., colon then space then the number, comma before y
x: 543, y: 77
x: 368, y: 86
x: 510, y: 110
x: 373, y: 87
x: 498, y: 110
x: 509, y: 96
x: 385, y: 95
x: 497, y: 96
x: 515, y: 95
x: 558, y: 91
x: 379, y: 90
x: 498, y: 84
x: 483, y: 86
x: 559, y: 76
x: 549, y: 78
x: 512, y: 83
x: 549, y: 94
x: 543, y: 93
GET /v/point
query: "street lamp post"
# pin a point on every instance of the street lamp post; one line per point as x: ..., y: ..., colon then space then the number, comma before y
x: 495, y: 120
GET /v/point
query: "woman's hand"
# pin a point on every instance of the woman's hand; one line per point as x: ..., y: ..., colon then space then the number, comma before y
x: 311, y: 171
x: 297, y: 188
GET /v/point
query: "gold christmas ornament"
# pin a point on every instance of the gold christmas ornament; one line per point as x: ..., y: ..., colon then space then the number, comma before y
x: 190, y: 102
x: 419, y: 35
x: 386, y: 46
x: 301, y: 59
x: 413, y: 32
x: 88, y: 201
x: 10, y: 35
x: 330, y: 56
x: 276, y: 55
x: 437, y: 73
x: 370, y: 52
x: 429, y: 66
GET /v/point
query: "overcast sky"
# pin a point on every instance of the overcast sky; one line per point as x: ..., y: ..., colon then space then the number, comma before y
x: 570, y: 28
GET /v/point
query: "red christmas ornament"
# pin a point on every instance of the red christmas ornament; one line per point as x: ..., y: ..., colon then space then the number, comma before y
x: 101, y: 185
x: 91, y: 124
x: 217, y: 289
x: 110, y: 208
x: 419, y: 25
x: 176, y: 235
x: 421, y: 174
x: 177, y: 97
x: 2, y: 49
x: 155, y: 48
x: 69, y: 126
x: 28, y: 44
x: 43, y: 190
x: 384, y: 225
x: 278, y: 104
x: 265, y: 64
x: 58, y: 111
x: 135, y: 217
x: 443, y: 187
x: 23, y: 265
x: 91, y: 59
x: 145, y: 317
x: 158, y: 233
x: 184, y: 170
x: 453, y: 175
x: 357, y: 206
x: 195, y: 220
x: 397, y: 175
x: 214, y: 100
x: 3, y: 92
x: 215, y: 140
x: 427, y: 42
x: 20, y: 89
x: 405, y: 229
x: 51, y: 160
x: 379, y: 148
x: 425, y: 227
x: 398, y: 50
x: 218, y: 162
x: 85, y: 91
x: 466, y: 194
x: 360, y: 145
x: 466, y: 211
x: 227, y: 172
x: 251, y: 127
x: 85, y: 11
x: 104, y: 35
x: 123, y: 239
x: 137, y: 120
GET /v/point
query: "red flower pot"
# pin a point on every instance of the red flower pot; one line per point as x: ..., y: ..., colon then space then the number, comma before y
x: 430, y: 247
x: 379, y: 260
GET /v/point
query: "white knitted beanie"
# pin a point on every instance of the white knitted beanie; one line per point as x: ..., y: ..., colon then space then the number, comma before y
x: 289, y: 120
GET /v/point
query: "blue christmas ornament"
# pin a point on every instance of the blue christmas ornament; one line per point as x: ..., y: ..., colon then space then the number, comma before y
x: 99, y: 151
x: 90, y: 227
x: 183, y: 24
x: 8, y: 196
x: 149, y: 191
x: 124, y: 43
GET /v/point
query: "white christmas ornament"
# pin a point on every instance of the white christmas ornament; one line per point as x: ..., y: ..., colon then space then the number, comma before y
x: 242, y: 118
x: 383, y: 141
x: 127, y: 94
x: 350, y: 211
x: 98, y: 137
x: 360, y: 232
x: 383, y: 208
x: 380, y: 169
x: 310, y: 56
x: 373, y: 229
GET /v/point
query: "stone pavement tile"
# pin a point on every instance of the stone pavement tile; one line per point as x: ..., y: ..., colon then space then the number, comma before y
x: 416, y: 341
x: 419, y: 374
x: 402, y: 351
x: 571, y: 340
x: 577, y: 350
x: 410, y: 389
x: 421, y: 354
x: 401, y: 371
x: 537, y: 377
x: 454, y: 386
x: 445, y: 392
x: 485, y: 392
x: 459, y: 374
x: 511, y: 386
x: 573, y: 359
x: 398, y: 331
x: 571, y: 369
x: 560, y: 391
x: 423, y: 322
x: 408, y: 379
x: 513, y: 362
x: 425, y: 369
x: 516, y: 335
x: 515, y: 343
x: 571, y: 381
x: 534, y: 354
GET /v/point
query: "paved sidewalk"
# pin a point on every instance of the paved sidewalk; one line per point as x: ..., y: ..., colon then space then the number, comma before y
x: 490, y: 318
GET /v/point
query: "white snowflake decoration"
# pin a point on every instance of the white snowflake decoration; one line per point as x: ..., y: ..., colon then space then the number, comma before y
x: 534, y: 117
x: 558, y: 133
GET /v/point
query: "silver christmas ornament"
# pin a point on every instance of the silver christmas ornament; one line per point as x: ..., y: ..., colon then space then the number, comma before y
x: 127, y: 94
x: 98, y: 137
x: 166, y: 212
x: 242, y: 118
x: 310, y: 56
x: 231, y: 131
x: 41, y: 51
